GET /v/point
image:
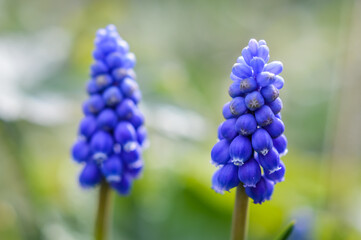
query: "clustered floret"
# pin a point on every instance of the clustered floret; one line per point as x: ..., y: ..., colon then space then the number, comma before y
x: 252, y: 136
x: 112, y: 133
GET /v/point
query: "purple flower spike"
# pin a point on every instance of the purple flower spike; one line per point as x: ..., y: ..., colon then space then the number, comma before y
x: 251, y: 138
x: 112, y: 134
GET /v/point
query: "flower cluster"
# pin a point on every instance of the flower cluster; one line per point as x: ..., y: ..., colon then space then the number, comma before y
x: 251, y: 136
x: 111, y: 134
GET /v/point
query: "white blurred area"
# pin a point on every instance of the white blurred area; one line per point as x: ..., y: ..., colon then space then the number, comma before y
x: 25, y: 60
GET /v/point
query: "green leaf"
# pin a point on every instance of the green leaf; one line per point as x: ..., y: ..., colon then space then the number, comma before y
x: 287, y: 231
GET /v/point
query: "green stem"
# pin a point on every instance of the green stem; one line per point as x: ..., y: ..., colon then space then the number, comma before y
x: 240, y: 215
x: 103, y: 214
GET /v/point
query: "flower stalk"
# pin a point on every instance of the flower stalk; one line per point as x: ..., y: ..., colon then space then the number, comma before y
x: 103, y: 220
x: 240, y: 215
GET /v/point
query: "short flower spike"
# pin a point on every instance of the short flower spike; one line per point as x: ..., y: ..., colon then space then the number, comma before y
x: 251, y: 137
x: 111, y: 135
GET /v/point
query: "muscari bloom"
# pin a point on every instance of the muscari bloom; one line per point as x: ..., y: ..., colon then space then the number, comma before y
x: 111, y: 135
x: 251, y: 140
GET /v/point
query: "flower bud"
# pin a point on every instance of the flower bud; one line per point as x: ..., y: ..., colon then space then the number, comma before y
x: 237, y: 106
x: 261, y: 141
x: 141, y: 135
x: 271, y: 161
x: 261, y: 192
x: 93, y: 105
x: 125, y: 109
x: 265, y: 78
x: 240, y: 150
x: 112, y: 96
x: 246, y: 53
x: 128, y: 87
x: 254, y: 100
x: 274, y: 67
x: 119, y: 74
x: 241, y: 70
x: 246, y: 124
x: 124, y: 186
x: 124, y: 133
x: 107, y: 119
x: 80, y: 151
x: 269, y: 93
x: 225, y: 178
x: 226, y: 111
x: 220, y: 152
x: 263, y: 52
x: 129, y: 60
x: 102, y: 81
x: 101, y: 145
x: 276, y: 128
x: 137, y: 119
x: 250, y: 173
x: 90, y: 175
x: 279, y: 82
x: 228, y: 129
x: 280, y: 144
x: 276, y: 105
x: 112, y: 169
x: 264, y: 116
x: 132, y: 155
x: 276, y: 176
x: 114, y: 60
x: 98, y: 68
x: 257, y: 64
x: 134, y: 170
x: 87, y: 126
x: 98, y: 55
x: 247, y: 85
x: 253, y: 47
x: 234, y: 89
x: 136, y: 96
x: 92, y: 87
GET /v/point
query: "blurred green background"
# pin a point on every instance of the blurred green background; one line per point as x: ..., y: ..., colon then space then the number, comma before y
x: 185, y: 51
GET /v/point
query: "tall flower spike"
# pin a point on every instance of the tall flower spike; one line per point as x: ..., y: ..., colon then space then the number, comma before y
x: 251, y: 138
x: 112, y: 133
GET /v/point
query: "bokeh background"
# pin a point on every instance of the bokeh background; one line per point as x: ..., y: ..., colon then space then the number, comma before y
x: 185, y: 51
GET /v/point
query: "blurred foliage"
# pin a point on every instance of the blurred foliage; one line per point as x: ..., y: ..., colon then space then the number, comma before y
x: 185, y: 51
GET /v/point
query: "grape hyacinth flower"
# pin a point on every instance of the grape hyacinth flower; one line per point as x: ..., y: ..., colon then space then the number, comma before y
x: 251, y: 139
x: 111, y: 135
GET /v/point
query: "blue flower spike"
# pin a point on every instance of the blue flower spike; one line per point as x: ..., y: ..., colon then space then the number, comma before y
x: 112, y: 135
x: 251, y: 140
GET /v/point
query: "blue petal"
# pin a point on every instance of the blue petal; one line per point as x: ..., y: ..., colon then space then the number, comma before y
x: 240, y: 150
x: 246, y: 124
x: 271, y: 161
x: 228, y: 129
x: 246, y: 53
x: 250, y: 173
x: 253, y: 46
x: 90, y: 175
x: 125, y: 133
x: 220, y: 152
x: 225, y: 178
x: 265, y: 78
x: 263, y: 52
x: 276, y: 128
x: 261, y: 141
x: 257, y: 64
x: 274, y: 67
x: 264, y: 116
x: 279, y: 82
x: 241, y: 70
